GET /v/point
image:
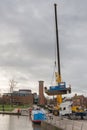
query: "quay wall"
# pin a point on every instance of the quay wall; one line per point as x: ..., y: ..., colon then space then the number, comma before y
x: 48, y: 126
x: 58, y: 123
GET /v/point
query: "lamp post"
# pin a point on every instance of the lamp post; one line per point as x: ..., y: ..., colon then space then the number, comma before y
x: 3, y: 109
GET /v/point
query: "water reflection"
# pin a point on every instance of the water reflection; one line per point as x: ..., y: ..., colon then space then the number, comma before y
x: 4, y: 122
x: 8, y: 122
x: 37, y: 127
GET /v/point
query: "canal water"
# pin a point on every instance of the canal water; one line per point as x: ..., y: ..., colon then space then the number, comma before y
x: 10, y: 122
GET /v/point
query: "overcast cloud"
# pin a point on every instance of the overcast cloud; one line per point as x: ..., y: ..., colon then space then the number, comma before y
x: 27, y: 43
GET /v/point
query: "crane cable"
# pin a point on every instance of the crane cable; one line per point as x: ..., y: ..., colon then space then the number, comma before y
x: 54, y: 68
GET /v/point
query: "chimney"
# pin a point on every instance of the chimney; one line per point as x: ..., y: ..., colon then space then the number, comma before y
x: 41, y: 93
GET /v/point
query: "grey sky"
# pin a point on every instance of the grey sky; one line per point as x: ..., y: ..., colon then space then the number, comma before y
x: 27, y: 42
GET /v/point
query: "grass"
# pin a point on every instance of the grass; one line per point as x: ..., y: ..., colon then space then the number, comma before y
x: 12, y: 107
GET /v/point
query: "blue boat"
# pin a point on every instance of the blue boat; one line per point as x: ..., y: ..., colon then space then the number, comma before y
x: 37, y: 116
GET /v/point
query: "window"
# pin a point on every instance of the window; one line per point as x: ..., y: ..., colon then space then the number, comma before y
x: 64, y: 108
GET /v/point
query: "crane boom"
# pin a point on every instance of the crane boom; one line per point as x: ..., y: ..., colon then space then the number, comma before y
x: 59, y: 79
x: 57, y: 40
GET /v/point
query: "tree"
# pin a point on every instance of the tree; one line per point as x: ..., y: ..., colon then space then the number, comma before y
x: 12, y: 84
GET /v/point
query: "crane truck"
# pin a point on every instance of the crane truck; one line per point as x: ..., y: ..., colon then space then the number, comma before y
x: 61, y: 107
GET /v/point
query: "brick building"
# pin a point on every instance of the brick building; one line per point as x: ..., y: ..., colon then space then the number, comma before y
x: 79, y: 100
x: 21, y: 97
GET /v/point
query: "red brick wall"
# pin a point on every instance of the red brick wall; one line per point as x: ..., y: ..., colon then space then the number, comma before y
x: 18, y: 99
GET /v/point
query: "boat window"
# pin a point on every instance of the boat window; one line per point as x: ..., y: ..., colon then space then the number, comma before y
x: 64, y: 108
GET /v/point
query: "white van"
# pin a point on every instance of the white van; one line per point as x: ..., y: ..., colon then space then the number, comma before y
x: 65, y: 108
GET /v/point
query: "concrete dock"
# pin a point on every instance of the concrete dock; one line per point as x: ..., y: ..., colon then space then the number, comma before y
x: 58, y: 123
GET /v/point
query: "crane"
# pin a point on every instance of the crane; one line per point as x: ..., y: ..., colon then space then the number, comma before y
x: 60, y: 88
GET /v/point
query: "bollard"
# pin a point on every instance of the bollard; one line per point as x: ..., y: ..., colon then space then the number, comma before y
x: 73, y: 126
x: 82, y: 126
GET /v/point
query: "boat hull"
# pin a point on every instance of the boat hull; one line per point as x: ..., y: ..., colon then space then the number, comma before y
x: 36, y: 121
